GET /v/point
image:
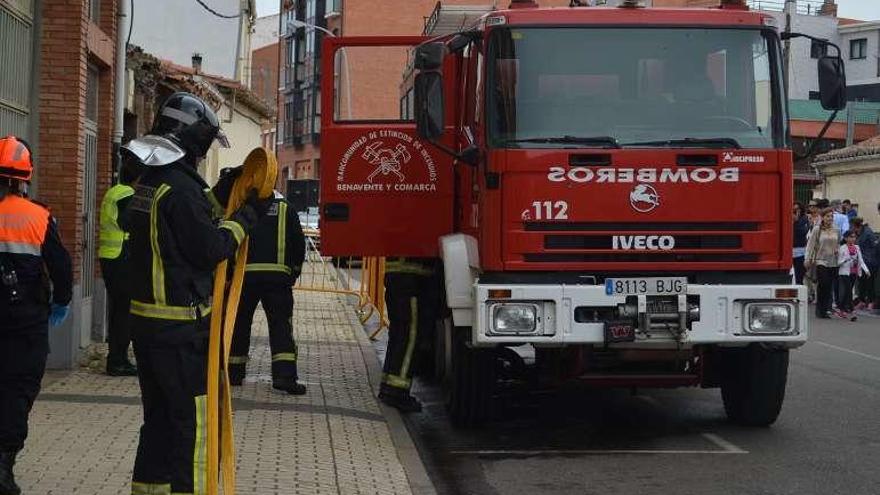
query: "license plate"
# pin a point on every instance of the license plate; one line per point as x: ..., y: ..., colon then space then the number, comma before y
x: 619, y: 331
x: 655, y: 286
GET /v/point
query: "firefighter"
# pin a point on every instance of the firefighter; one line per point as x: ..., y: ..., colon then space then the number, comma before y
x: 176, y: 242
x: 113, y: 253
x: 30, y: 247
x: 412, y: 297
x: 275, y: 258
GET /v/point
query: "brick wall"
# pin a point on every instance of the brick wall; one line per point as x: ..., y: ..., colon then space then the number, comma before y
x: 62, y: 84
x: 62, y: 111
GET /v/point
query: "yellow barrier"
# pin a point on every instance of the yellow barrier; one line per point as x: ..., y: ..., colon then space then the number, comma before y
x: 363, y: 278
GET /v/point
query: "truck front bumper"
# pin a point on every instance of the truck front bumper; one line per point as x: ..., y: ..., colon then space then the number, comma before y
x: 726, y: 316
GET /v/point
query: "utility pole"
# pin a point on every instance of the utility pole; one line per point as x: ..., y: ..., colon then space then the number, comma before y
x: 790, y: 7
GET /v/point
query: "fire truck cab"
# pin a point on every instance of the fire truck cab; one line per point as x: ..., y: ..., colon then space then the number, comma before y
x: 608, y: 188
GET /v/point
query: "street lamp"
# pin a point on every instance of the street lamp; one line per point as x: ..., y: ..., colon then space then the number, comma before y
x: 296, y: 24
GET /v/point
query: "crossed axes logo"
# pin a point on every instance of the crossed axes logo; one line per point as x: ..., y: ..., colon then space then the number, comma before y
x: 387, y: 161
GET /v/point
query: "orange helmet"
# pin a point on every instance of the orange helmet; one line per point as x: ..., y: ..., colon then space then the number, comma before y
x: 15, y: 159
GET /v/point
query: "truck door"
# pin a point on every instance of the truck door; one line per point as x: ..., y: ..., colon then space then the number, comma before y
x: 384, y: 191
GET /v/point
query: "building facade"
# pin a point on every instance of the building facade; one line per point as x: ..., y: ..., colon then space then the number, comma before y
x: 60, y: 98
x: 854, y: 173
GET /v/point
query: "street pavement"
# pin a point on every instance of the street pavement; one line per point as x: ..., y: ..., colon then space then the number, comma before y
x: 336, y: 439
x: 607, y: 442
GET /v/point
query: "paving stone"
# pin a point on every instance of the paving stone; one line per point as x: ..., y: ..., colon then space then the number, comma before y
x: 334, y: 440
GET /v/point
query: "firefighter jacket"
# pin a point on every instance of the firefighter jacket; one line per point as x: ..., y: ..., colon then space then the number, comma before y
x: 277, y: 246
x: 176, y: 242
x: 30, y: 247
x: 111, y: 238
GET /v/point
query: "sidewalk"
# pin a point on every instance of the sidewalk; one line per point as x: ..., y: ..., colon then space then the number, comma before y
x: 334, y: 440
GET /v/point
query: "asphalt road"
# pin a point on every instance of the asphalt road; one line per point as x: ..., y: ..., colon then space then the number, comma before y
x: 826, y: 441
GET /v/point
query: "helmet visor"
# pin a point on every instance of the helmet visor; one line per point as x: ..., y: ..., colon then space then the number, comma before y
x: 222, y: 139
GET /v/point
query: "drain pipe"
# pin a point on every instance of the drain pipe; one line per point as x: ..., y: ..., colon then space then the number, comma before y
x: 123, y: 24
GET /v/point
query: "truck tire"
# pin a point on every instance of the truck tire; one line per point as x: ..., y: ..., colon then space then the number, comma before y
x: 753, y: 384
x: 470, y: 383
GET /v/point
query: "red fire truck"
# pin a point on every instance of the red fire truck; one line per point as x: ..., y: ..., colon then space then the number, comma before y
x: 608, y: 190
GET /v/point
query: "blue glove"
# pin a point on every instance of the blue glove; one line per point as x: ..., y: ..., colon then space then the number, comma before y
x: 58, y: 314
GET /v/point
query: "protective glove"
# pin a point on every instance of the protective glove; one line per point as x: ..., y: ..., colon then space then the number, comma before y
x: 58, y: 314
x: 223, y: 189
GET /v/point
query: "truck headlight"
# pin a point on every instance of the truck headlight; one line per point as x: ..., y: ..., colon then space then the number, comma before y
x: 515, y: 318
x: 770, y: 318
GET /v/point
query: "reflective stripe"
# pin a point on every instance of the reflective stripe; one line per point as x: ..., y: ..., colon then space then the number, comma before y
x: 111, y: 236
x: 413, y: 332
x: 138, y: 488
x: 396, y: 381
x: 267, y: 267
x: 235, y: 228
x: 200, y: 448
x: 284, y: 356
x: 282, y: 233
x: 218, y: 208
x: 158, y: 267
x: 163, y: 312
x: 403, y: 266
x: 238, y: 359
x: 20, y: 248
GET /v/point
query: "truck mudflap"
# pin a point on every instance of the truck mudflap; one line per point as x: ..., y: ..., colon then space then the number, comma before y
x: 560, y: 315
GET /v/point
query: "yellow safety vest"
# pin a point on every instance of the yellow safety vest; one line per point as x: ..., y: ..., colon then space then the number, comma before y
x: 111, y: 236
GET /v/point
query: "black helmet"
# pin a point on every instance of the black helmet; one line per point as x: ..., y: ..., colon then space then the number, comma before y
x: 188, y: 121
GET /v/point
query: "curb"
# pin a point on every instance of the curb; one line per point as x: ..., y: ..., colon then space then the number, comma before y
x: 416, y: 473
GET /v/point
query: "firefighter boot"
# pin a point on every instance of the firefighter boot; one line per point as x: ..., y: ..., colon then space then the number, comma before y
x: 236, y: 374
x: 7, y: 480
x: 289, y: 385
x: 399, y: 399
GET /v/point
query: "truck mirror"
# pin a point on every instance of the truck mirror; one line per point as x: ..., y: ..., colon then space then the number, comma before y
x: 430, y: 56
x: 832, y: 83
x: 429, y: 104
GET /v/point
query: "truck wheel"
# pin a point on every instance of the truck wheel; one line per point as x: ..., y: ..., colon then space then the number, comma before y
x: 470, y: 383
x: 753, y: 384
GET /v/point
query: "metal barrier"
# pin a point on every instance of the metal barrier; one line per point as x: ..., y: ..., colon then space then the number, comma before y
x: 363, y: 278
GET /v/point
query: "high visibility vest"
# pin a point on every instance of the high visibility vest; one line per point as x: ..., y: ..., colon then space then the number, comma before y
x: 112, y: 237
x: 23, y: 226
x: 260, y: 244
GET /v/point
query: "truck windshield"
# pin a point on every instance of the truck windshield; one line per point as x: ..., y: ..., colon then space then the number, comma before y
x: 631, y: 87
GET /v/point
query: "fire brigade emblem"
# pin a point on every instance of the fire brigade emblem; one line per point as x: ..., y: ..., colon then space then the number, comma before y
x: 388, y: 161
x: 644, y: 198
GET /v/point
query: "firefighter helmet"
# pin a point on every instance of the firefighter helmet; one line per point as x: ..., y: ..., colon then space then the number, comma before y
x: 15, y: 159
x: 188, y: 121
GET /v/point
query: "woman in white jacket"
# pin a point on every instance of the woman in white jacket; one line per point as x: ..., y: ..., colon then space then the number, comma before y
x: 851, y: 266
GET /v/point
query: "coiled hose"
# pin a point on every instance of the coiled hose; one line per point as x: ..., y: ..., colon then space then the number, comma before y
x: 260, y: 172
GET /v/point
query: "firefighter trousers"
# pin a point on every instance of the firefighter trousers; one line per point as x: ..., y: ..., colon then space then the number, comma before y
x: 22, y: 363
x: 412, y: 301
x: 172, y: 369
x: 277, y: 302
x: 119, y: 302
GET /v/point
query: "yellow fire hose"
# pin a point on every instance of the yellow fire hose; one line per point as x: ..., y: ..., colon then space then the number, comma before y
x: 260, y: 172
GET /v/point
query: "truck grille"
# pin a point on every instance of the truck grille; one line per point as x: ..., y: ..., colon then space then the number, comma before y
x: 601, y: 242
x: 605, y: 242
x: 641, y: 226
x: 652, y: 256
